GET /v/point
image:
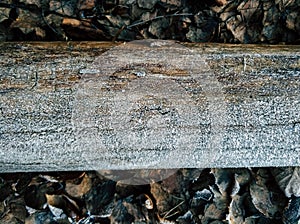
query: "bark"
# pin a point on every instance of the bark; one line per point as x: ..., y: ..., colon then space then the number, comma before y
x: 147, y: 104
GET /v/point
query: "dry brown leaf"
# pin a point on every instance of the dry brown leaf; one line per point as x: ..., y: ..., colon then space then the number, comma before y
x: 266, y: 195
x: 291, y: 213
x: 70, y: 207
x: 27, y: 19
x: 78, y: 190
x: 71, y: 22
x: 236, y: 210
x: 17, y: 208
x: 4, y: 14
x: 288, y: 179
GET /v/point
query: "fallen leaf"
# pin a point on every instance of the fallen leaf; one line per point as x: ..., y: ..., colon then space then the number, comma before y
x: 288, y: 179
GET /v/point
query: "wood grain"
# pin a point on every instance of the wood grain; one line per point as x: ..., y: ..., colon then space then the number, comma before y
x: 147, y: 104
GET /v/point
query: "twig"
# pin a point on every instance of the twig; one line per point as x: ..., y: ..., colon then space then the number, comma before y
x: 4, y: 213
x: 118, y: 33
x: 46, y: 22
x: 146, y: 21
x: 62, y: 6
x: 172, y: 209
x: 158, y: 17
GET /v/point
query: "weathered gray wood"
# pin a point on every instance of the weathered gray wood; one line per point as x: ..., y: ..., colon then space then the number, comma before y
x: 148, y: 104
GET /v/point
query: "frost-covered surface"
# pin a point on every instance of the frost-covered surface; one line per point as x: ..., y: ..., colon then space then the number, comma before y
x: 190, y: 108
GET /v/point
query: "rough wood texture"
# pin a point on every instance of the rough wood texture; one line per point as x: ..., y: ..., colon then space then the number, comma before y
x: 148, y: 104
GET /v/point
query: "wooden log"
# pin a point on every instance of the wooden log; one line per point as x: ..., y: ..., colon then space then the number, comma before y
x: 148, y: 104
